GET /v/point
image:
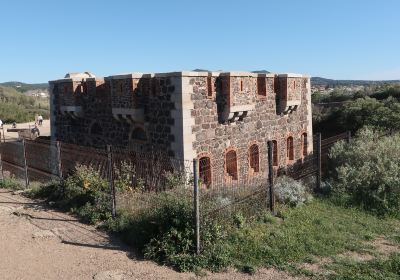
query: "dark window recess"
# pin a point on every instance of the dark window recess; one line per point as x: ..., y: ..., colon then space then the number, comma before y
x: 231, y: 164
x: 139, y: 134
x: 275, y: 153
x: 261, y: 86
x: 290, y: 148
x: 254, y: 158
x: 304, y: 142
x: 96, y: 129
x: 209, y: 87
x: 205, y: 171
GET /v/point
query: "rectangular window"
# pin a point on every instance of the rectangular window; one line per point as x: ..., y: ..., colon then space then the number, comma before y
x: 209, y: 87
x: 261, y: 86
x: 274, y: 153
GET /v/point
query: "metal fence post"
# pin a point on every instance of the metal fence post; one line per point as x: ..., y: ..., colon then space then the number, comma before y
x: 25, y: 163
x: 271, y: 178
x: 1, y: 167
x: 348, y: 136
x: 319, y: 165
x: 111, y: 180
x: 196, y: 205
x: 59, y: 167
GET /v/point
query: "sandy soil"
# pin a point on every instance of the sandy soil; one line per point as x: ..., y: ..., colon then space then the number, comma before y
x: 44, y: 129
x: 40, y: 243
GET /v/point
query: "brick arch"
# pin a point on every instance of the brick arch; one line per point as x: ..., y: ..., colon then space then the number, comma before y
x: 205, y: 169
x: 304, y: 143
x: 275, y: 152
x: 138, y: 133
x: 231, y: 166
x: 254, y: 158
x: 290, y: 149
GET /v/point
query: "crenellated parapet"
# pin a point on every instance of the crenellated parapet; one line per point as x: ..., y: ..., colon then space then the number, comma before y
x: 290, y: 90
x: 185, y: 113
x: 239, y: 90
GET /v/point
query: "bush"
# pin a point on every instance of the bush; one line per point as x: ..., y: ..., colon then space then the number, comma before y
x: 84, y: 193
x: 290, y: 191
x: 163, y: 231
x: 11, y: 183
x: 367, y: 171
x: 87, y: 194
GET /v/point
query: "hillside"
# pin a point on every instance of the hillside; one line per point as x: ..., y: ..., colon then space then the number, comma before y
x: 319, y: 81
x: 23, y: 87
x: 15, y: 106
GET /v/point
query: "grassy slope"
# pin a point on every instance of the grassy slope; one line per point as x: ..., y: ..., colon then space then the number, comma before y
x: 14, y: 106
x: 319, y: 229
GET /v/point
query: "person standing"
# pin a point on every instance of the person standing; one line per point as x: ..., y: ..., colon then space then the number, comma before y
x: 40, y: 120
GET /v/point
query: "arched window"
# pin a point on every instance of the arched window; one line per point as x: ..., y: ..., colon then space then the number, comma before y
x: 289, y: 148
x: 254, y: 156
x: 139, y: 134
x: 231, y: 164
x: 96, y: 129
x: 274, y: 153
x: 304, y: 144
x: 205, y: 171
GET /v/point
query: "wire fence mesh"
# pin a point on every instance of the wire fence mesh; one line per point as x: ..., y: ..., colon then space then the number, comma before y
x: 236, y: 183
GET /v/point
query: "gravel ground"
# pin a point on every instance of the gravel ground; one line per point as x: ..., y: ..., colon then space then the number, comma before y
x: 40, y: 243
x: 44, y: 129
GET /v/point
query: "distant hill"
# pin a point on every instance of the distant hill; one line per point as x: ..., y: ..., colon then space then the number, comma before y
x: 24, y: 87
x: 17, y: 106
x: 261, y: 72
x: 318, y: 81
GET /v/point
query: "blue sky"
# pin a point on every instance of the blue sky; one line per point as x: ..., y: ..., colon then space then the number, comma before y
x: 42, y: 40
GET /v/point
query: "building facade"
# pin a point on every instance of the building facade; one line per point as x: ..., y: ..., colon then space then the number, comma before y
x: 222, y: 118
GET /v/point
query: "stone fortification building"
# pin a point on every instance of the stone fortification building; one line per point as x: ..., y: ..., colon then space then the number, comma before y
x: 222, y: 118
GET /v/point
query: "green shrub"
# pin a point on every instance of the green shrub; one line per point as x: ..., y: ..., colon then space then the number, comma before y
x: 87, y: 194
x: 84, y: 193
x: 291, y: 192
x: 11, y: 183
x: 367, y: 171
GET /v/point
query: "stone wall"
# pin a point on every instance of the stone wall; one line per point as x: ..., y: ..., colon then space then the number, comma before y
x: 214, y: 137
x: 99, y: 125
x: 188, y: 115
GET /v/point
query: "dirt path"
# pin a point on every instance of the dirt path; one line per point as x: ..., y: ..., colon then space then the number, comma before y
x: 44, y: 129
x: 40, y: 243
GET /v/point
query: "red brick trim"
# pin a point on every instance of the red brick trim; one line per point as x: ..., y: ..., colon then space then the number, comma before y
x: 288, y: 160
x: 251, y: 172
x: 302, y: 156
x: 229, y: 178
x: 207, y: 155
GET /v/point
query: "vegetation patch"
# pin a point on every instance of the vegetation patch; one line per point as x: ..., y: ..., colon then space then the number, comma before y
x: 365, y: 173
x: 17, y: 107
x: 381, y: 268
